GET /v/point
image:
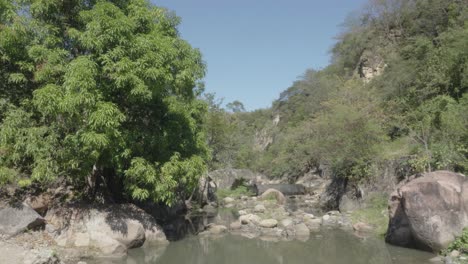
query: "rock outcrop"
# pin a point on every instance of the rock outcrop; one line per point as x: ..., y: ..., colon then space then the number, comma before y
x: 109, y: 230
x: 428, y: 212
x: 18, y: 218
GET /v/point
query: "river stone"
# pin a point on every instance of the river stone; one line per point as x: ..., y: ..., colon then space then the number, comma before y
x: 429, y: 212
x: 302, y: 230
x: 287, y: 222
x: 228, y: 200
x: 362, y: 227
x: 455, y: 254
x: 249, y: 218
x: 16, y: 219
x: 269, y: 223
x: 259, y: 208
x: 272, y: 193
x: 217, y: 229
x: 235, y: 225
x: 313, y: 224
x: 242, y: 212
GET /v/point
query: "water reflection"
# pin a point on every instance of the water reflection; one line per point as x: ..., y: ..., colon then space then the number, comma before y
x: 332, y: 247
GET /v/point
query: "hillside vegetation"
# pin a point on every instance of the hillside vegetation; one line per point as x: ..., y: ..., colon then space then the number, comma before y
x: 395, y: 90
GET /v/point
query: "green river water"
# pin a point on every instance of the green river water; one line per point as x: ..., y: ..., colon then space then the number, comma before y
x: 328, y: 247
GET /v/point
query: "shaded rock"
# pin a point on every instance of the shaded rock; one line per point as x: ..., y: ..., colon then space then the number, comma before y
x: 40, y: 203
x: 275, y: 194
x: 268, y: 223
x: 429, y: 212
x: 14, y: 220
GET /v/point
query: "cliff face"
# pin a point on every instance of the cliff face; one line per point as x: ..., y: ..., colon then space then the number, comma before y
x: 370, y: 66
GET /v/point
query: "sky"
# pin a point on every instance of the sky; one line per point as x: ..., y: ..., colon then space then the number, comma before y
x: 255, y: 49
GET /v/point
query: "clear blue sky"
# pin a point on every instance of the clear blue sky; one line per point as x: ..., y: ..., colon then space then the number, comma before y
x: 254, y: 49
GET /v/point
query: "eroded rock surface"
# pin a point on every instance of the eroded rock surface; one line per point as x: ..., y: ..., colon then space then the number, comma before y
x: 429, y: 212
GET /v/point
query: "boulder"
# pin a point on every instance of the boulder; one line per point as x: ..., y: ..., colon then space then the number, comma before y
x: 275, y: 194
x: 109, y: 231
x: 268, y: 223
x: 249, y: 218
x: 18, y: 218
x: 428, y: 212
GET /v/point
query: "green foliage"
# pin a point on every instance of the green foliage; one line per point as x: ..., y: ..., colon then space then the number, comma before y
x: 93, y: 86
x: 460, y: 244
x: 236, y: 193
x: 374, y: 213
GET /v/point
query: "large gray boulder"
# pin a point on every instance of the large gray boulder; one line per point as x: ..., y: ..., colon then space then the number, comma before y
x: 107, y: 231
x: 229, y: 178
x: 18, y: 218
x: 429, y: 212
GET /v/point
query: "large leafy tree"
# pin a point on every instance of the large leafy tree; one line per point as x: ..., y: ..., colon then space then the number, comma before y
x: 100, y: 92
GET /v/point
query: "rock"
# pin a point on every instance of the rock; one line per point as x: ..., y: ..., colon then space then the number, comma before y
x: 210, y: 210
x: 235, y: 225
x: 228, y: 200
x: 348, y: 204
x: 40, y: 203
x: 81, y: 262
x: 455, y: 254
x: 272, y: 193
x: 249, y: 218
x: 217, y: 229
x: 259, y: 208
x: 325, y: 217
x: 362, y: 227
x: 41, y: 257
x: 309, y: 216
x: 287, y: 222
x: 106, y: 230
x: 437, y: 259
x: 16, y: 219
x: 429, y: 212
x: 313, y: 224
x: 268, y: 223
x: 242, y: 212
x: 302, y: 230
x: 287, y: 189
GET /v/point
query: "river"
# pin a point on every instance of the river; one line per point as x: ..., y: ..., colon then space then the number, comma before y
x: 326, y: 247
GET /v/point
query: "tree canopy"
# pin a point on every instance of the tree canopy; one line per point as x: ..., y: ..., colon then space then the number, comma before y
x: 100, y: 91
